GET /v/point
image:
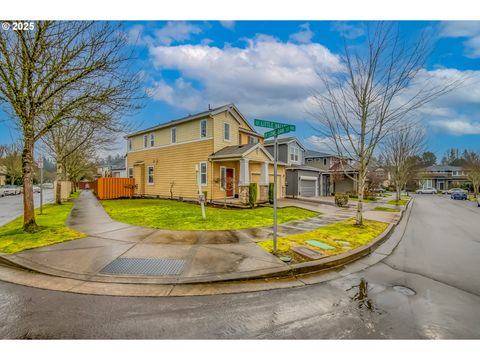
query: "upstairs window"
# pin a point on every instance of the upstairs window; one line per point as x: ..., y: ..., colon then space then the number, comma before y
x: 203, y: 129
x: 294, y: 153
x: 226, y: 131
x: 145, y: 141
x: 203, y: 173
x: 325, y: 161
x: 152, y: 140
x: 174, y: 135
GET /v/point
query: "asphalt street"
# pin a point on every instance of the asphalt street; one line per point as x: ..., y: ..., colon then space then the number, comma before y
x: 428, y: 288
x: 11, y: 206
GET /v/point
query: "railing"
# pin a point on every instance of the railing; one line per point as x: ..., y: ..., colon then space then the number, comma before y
x: 113, y: 188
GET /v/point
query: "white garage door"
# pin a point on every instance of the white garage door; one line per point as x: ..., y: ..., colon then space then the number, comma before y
x: 307, y: 187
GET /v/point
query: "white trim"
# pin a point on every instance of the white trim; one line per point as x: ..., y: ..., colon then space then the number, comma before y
x: 222, y: 168
x: 168, y: 145
x: 308, y: 178
x: 148, y: 175
x: 200, y: 172
x: 128, y: 172
x: 173, y: 130
x: 206, y: 128
x: 229, y: 132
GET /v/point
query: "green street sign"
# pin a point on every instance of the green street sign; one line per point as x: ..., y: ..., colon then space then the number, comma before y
x: 275, y: 132
x: 271, y: 124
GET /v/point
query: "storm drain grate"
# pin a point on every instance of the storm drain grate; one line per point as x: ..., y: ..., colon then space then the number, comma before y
x: 134, y: 266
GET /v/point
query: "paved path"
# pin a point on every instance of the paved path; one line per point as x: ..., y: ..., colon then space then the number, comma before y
x: 198, y: 255
x: 11, y: 206
x: 437, y: 258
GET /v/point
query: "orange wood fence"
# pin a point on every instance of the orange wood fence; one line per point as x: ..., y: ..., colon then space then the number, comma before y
x: 113, y: 188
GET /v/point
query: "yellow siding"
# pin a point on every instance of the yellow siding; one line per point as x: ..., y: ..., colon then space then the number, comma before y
x: 187, y: 131
x: 257, y: 155
x: 218, y: 126
x: 215, y: 190
x: 244, y: 137
x: 173, y: 163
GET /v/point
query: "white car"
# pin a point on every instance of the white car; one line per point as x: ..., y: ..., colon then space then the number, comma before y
x: 2, y: 192
x: 11, y: 190
x: 36, y: 189
x: 427, y: 190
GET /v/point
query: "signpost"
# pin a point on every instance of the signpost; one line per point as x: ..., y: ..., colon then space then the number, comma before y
x: 201, y: 196
x: 278, y: 129
x: 40, y: 166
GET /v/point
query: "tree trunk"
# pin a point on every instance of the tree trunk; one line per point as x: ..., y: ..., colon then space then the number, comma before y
x: 398, y: 192
x: 361, y: 189
x: 29, y: 224
x: 59, y: 178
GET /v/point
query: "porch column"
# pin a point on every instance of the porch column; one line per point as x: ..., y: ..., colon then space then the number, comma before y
x: 244, y: 179
x: 264, y: 173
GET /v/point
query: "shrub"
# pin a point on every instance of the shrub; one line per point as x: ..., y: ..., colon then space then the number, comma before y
x: 341, y: 199
x: 252, y: 194
x: 270, y: 193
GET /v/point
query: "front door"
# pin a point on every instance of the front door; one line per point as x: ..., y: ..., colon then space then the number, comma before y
x: 230, y: 182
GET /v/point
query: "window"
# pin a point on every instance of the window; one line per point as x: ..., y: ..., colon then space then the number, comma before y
x: 325, y: 161
x: 309, y: 160
x: 203, y: 173
x: 203, y: 129
x: 145, y: 141
x: 226, y: 131
x: 252, y: 140
x: 294, y: 153
x: 150, y: 175
x: 130, y: 172
x: 152, y: 140
x: 129, y: 144
x: 174, y: 135
x: 223, y: 178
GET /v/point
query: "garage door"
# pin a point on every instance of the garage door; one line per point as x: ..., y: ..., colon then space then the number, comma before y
x: 307, y: 187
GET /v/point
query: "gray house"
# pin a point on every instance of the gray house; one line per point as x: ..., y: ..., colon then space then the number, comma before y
x: 301, y: 180
x: 333, y: 170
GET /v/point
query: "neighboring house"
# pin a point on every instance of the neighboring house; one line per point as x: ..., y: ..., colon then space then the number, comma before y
x: 3, y: 175
x: 333, y: 168
x: 442, y: 177
x: 216, y: 148
x: 302, y: 180
x: 379, y: 177
x: 119, y: 171
x: 112, y: 170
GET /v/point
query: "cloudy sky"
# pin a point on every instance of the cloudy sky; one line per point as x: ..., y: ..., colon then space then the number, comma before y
x: 269, y: 70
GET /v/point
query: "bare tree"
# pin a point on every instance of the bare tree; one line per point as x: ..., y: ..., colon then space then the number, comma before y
x: 472, y: 164
x: 400, y: 151
x: 48, y: 73
x: 372, y: 96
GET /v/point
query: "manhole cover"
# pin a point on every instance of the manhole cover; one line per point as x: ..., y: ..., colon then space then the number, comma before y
x: 404, y: 290
x: 134, y: 266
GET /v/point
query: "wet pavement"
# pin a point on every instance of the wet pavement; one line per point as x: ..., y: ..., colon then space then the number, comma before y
x: 428, y: 288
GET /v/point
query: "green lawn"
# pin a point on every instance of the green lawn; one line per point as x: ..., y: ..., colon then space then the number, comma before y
x: 399, y: 202
x: 383, y: 208
x: 175, y: 215
x: 52, y: 230
x: 346, y: 231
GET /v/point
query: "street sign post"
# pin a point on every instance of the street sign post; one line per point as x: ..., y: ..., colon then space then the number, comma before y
x: 278, y: 129
x: 40, y: 166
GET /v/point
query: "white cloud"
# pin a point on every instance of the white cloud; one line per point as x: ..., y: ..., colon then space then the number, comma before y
x: 464, y: 29
x: 347, y: 30
x: 304, y: 36
x: 229, y: 24
x: 181, y: 94
x: 176, y: 31
x: 267, y: 77
x: 458, y: 126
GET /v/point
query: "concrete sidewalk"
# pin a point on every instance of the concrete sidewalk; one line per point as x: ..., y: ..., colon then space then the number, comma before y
x: 200, y: 255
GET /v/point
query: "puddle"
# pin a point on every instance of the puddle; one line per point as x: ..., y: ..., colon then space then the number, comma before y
x: 404, y: 290
x: 361, y: 297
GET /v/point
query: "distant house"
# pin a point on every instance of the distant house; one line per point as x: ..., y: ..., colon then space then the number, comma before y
x: 217, y: 150
x: 302, y: 180
x: 3, y: 175
x: 112, y: 170
x: 333, y: 172
x: 442, y: 177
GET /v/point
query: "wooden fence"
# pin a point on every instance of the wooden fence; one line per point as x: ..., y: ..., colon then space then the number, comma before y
x: 113, y: 188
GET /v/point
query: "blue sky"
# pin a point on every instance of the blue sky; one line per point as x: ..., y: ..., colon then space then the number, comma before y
x: 267, y: 68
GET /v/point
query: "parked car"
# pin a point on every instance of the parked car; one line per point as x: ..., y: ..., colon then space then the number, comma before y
x: 452, y: 190
x: 478, y: 200
x: 48, y: 186
x: 36, y: 189
x: 2, y: 192
x: 459, y: 195
x: 11, y: 190
x: 427, y: 190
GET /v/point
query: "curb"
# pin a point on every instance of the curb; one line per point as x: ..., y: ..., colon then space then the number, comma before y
x: 279, y: 277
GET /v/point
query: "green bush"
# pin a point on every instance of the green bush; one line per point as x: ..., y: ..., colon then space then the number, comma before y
x: 341, y: 199
x: 270, y: 193
x: 252, y: 194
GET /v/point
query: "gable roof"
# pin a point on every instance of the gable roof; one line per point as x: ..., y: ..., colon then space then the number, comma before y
x: 443, y: 168
x: 231, y: 108
x: 239, y: 151
x: 284, y: 140
x: 316, y: 154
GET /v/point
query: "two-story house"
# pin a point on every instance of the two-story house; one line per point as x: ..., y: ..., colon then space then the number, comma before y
x: 217, y: 150
x: 302, y: 180
x: 442, y: 177
x: 336, y: 173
